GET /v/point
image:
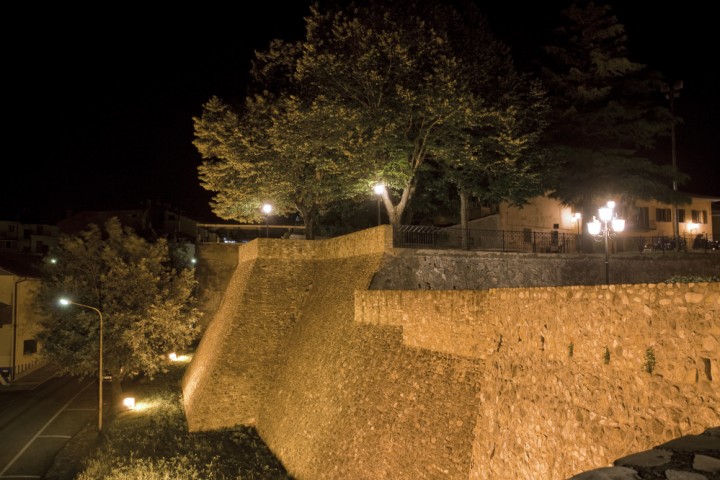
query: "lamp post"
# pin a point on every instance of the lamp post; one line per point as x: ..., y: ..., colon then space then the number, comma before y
x: 65, y: 301
x: 671, y: 93
x: 267, y: 208
x: 602, y: 231
x: 379, y: 190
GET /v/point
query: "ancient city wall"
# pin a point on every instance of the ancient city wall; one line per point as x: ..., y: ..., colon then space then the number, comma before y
x: 343, y: 382
x: 564, y: 371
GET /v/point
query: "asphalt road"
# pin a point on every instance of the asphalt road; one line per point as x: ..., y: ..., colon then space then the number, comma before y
x: 35, y: 424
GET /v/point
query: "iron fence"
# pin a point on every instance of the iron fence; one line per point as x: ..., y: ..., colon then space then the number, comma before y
x: 455, y: 238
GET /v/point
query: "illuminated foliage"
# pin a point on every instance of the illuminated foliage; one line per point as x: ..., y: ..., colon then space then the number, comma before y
x: 371, y: 94
x: 147, y: 307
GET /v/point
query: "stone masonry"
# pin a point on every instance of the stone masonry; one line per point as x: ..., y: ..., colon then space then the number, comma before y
x: 346, y: 382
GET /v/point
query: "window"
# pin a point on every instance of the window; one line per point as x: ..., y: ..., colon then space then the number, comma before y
x: 699, y: 216
x: 29, y: 347
x: 662, y: 215
x: 642, y: 218
x: 681, y: 215
x: 5, y: 314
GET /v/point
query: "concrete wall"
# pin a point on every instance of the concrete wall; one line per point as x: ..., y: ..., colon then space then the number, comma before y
x: 346, y: 382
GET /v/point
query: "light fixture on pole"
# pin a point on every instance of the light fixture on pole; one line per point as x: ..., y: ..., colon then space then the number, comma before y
x: 602, y: 231
x: 379, y: 190
x: 267, y: 208
x: 65, y: 301
x: 671, y: 93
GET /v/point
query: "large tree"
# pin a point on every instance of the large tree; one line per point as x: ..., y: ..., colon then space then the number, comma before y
x: 147, y: 307
x: 285, y: 145
x: 370, y: 94
x: 605, y: 113
x: 428, y: 81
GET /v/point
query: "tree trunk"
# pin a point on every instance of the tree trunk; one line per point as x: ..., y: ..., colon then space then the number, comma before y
x: 464, y: 220
x: 116, y: 395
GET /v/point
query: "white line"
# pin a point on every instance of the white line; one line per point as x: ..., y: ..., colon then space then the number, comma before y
x: 7, y: 467
x: 22, y: 476
x: 54, y: 436
x: 80, y: 409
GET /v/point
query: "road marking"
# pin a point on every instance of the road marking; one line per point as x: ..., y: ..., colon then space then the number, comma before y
x: 80, y: 409
x: 55, y: 436
x: 27, y: 445
x: 22, y: 476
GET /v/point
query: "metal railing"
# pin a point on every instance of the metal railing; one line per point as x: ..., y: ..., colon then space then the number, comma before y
x: 455, y: 238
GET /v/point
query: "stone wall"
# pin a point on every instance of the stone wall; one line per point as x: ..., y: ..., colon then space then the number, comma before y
x: 564, y: 371
x: 213, y: 272
x: 345, y: 382
x: 406, y: 269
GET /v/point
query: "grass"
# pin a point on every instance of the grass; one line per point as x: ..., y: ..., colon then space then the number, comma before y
x: 153, y: 443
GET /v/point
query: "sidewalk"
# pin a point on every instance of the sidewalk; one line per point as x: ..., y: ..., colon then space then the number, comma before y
x: 31, y: 380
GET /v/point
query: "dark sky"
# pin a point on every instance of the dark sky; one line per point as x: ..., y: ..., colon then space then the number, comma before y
x: 99, y: 104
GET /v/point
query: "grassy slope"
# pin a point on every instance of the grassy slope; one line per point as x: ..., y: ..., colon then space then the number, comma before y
x: 153, y: 443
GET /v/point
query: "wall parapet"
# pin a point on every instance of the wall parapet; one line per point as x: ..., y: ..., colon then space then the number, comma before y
x: 367, y: 242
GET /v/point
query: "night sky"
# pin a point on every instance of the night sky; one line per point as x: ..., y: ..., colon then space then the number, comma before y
x: 99, y: 104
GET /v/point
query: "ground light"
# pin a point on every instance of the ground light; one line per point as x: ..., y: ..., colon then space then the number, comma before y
x: 129, y: 402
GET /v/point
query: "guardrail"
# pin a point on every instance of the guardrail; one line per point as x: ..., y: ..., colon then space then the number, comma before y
x: 455, y: 238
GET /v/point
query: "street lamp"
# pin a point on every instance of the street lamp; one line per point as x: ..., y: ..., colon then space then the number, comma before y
x: 267, y: 208
x: 671, y: 93
x: 379, y: 190
x: 601, y: 231
x: 65, y: 301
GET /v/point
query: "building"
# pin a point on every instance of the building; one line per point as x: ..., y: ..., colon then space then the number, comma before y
x: 648, y: 224
x: 19, y: 320
x: 151, y: 222
x: 26, y: 238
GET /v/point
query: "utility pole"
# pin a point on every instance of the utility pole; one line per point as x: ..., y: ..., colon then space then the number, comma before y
x: 671, y: 93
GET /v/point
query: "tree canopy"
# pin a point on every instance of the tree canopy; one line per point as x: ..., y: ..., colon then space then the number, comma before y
x: 605, y: 114
x: 370, y: 94
x: 147, y: 307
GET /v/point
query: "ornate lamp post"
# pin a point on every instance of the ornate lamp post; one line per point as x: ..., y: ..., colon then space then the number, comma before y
x: 65, y: 301
x: 267, y: 208
x: 379, y: 190
x: 603, y: 232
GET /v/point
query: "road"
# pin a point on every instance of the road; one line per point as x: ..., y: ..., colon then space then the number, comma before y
x: 35, y: 424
